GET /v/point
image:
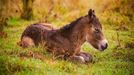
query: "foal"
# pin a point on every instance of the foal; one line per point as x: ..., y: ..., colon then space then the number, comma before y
x: 67, y: 40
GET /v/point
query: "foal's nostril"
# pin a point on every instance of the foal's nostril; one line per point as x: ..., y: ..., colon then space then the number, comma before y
x: 104, y: 47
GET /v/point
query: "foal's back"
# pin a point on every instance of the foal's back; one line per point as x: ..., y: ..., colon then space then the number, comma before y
x: 34, y: 34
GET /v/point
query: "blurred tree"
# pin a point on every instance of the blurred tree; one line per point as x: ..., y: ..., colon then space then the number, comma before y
x: 27, y: 9
x: 4, y: 6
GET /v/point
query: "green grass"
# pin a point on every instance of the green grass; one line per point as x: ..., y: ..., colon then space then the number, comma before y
x: 113, y: 61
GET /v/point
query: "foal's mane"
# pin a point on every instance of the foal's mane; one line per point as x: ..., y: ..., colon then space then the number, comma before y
x: 70, y: 26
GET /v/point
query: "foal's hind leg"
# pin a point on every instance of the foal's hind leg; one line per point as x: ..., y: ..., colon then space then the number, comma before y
x: 26, y: 42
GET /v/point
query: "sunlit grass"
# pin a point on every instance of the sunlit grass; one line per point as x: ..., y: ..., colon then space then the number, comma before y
x: 111, y: 61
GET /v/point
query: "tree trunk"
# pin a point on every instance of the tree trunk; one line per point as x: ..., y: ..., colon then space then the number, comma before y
x: 4, y: 6
x: 27, y: 9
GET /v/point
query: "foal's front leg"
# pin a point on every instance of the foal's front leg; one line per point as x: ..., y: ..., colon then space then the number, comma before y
x: 87, y: 57
x: 81, y: 57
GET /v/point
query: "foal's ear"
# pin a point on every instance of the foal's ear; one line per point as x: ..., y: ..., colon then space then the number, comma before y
x: 90, y: 13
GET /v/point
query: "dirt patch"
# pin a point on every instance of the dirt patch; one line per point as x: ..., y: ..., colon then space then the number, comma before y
x: 129, y: 45
x: 3, y: 35
x: 32, y: 54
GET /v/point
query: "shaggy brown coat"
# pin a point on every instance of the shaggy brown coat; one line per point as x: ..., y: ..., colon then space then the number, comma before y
x: 67, y: 40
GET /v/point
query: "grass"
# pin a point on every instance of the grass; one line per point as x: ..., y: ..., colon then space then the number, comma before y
x: 116, y: 60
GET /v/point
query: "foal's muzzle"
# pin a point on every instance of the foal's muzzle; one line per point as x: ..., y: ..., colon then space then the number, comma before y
x: 103, y: 45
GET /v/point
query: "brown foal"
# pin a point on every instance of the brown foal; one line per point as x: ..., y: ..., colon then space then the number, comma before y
x: 67, y: 40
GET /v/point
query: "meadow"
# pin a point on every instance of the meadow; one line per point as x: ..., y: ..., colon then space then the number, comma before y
x: 118, y: 59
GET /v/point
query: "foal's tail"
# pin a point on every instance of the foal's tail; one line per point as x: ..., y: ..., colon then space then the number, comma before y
x: 26, y: 42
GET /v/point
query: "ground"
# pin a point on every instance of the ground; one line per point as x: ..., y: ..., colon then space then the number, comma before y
x: 118, y: 59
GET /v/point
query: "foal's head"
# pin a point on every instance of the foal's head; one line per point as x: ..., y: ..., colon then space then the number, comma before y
x: 94, y: 34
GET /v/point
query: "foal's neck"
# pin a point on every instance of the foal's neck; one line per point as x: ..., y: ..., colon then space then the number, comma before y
x: 74, y: 32
x: 78, y: 35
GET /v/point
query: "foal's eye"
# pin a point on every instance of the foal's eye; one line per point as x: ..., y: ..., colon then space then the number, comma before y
x: 97, y: 31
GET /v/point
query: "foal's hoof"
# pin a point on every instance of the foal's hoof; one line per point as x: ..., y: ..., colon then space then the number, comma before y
x: 77, y: 59
x: 87, y: 57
